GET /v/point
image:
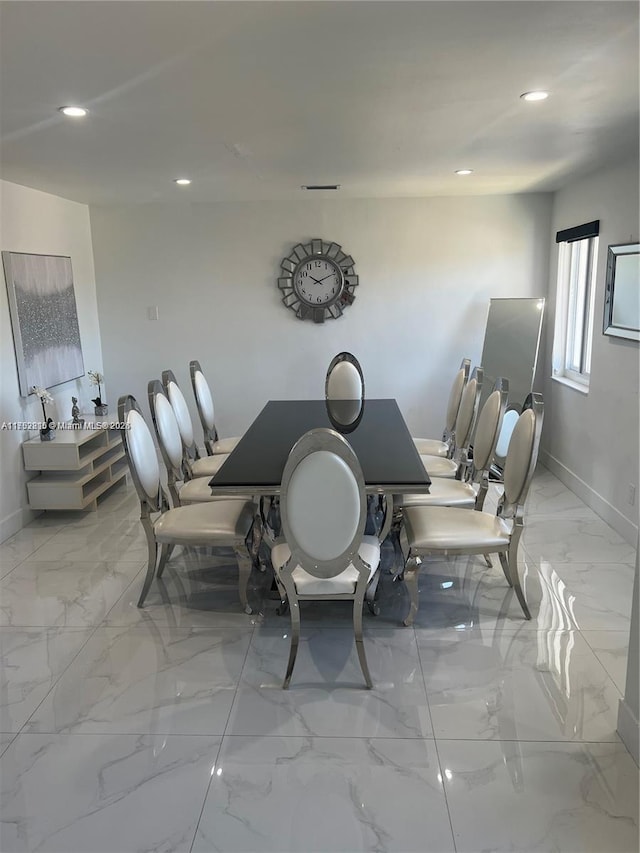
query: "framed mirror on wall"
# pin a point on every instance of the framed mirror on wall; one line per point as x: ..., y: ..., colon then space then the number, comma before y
x: 622, y: 292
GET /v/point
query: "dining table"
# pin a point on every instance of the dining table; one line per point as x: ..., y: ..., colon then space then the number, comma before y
x: 377, y: 433
x: 380, y: 438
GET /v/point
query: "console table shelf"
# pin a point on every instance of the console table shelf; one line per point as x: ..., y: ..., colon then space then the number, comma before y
x: 77, y: 467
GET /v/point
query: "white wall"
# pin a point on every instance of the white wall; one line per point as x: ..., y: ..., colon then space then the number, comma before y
x: 33, y: 221
x: 427, y: 268
x: 591, y: 441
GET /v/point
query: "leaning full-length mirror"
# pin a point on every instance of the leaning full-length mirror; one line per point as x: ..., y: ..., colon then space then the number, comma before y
x: 511, y: 345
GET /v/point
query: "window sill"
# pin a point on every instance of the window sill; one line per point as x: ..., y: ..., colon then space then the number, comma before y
x: 571, y: 383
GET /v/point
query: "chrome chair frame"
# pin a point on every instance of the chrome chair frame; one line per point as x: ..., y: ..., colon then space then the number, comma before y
x: 328, y: 440
x: 158, y: 503
x: 510, y: 507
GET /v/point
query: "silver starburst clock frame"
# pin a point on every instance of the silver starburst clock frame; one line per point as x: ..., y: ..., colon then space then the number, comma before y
x: 317, y: 280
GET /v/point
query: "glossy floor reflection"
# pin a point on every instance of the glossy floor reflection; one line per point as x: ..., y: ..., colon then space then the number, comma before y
x: 166, y: 728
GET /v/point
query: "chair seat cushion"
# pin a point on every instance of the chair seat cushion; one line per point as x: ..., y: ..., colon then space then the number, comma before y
x: 443, y: 528
x: 342, y: 584
x: 431, y: 447
x: 438, y: 466
x: 226, y: 445
x: 202, y: 524
x: 443, y: 492
x: 208, y: 465
x: 197, y: 491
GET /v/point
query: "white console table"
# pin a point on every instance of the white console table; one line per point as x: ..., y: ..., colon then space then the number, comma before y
x: 76, y: 468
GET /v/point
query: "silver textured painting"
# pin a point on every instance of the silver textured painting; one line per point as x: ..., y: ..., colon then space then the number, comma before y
x: 44, y: 319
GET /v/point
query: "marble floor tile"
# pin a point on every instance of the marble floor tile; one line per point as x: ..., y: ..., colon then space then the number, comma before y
x: 32, y: 661
x: 85, y: 544
x: 121, y: 793
x: 541, y: 797
x: 594, y: 595
x: 575, y: 540
x: 5, y: 740
x: 327, y: 696
x: 60, y: 594
x: 462, y: 593
x: 151, y: 678
x: 197, y: 590
x: 541, y: 686
x: 21, y: 546
x: 298, y: 794
x: 550, y: 498
x: 612, y: 649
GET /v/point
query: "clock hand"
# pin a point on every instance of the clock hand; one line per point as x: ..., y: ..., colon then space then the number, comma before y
x: 326, y: 276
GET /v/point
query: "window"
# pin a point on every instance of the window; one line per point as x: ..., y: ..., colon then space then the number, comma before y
x: 573, y: 336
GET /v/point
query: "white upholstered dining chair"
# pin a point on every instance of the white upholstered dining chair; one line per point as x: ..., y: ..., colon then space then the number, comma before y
x: 182, y: 490
x: 324, y: 553
x: 471, y: 492
x: 445, y: 447
x: 436, y: 530
x: 344, y: 379
x: 196, y: 466
x: 224, y: 522
x: 441, y: 466
x: 204, y: 403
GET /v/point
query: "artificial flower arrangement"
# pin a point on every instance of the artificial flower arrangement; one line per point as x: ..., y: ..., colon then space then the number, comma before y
x: 47, y: 432
x: 97, y: 379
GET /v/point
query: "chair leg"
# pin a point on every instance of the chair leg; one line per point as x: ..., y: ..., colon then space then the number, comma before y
x: 255, y: 539
x: 505, y: 567
x: 357, y: 630
x: 515, y: 575
x: 152, y: 546
x: 295, y: 640
x: 244, y: 572
x: 165, y: 553
x: 411, y: 571
x: 488, y: 561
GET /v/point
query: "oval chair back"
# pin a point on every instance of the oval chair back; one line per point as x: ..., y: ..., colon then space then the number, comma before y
x: 466, y: 418
x: 522, y: 455
x: 323, y: 503
x: 455, y: 396
x: 489, y: 424
x: 168, y: 436
x: 508, y: 423
x: 345, y: 379
x: 181, y: 411
x: 204, y: 404
x: 141, y: 454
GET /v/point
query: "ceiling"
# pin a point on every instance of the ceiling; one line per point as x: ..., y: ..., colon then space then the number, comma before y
x: 254, y: 99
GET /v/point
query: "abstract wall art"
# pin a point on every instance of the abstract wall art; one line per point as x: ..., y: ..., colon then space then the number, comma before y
x: 44, y: 319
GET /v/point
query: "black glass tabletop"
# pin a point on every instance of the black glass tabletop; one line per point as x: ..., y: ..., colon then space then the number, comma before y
x: 376, y: 431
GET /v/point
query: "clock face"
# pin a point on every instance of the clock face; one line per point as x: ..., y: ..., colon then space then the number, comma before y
x: 317, y: 280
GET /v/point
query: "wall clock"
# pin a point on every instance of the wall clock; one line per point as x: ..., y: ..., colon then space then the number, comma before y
x: 317, y: 280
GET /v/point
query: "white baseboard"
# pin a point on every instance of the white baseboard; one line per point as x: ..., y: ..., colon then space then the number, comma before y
x: 629, y: 729
x: 620, y: 523
x: 16, y: 521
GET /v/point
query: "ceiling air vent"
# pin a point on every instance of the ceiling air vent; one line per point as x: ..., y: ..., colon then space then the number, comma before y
x: 320, y: 187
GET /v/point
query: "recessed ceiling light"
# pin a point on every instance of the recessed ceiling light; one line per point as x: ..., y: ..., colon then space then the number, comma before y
x: 183, y: 182
x: 464, y: 171
x: 534, y: 96
x: 73, y: 112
